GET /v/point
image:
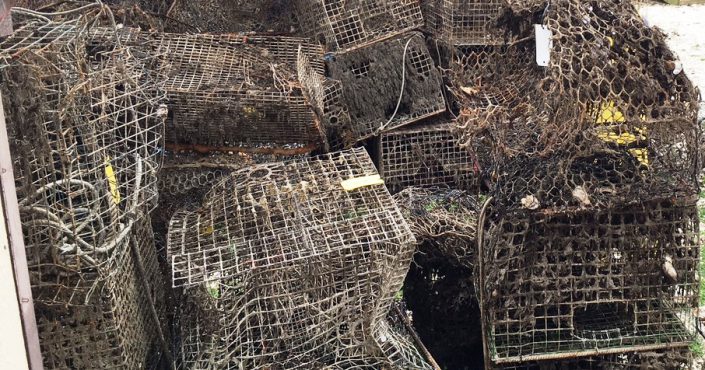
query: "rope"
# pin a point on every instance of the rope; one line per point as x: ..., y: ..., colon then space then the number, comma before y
x: 403, y: 85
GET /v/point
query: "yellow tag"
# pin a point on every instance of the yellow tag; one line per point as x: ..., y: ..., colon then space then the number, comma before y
x: 112, y: 181
x: 611, y: 40
x: 361, y: 182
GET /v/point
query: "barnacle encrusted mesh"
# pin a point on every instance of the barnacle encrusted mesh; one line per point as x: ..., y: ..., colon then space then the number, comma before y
x: 372, y: 79
x: 426, y: 155
x: 561, y: 285
x: 347, y: 25
x: 226, y: 91
x: 445, y: 219
x: 290, y: 269
x: 112, y: 328
x: 464, y: 22
x: 85, y: 127
x: 612, y: 115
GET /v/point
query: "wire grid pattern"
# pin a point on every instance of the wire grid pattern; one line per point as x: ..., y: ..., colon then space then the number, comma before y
x: 464, y: 22
x: 84, y: 135
x: 563, y: 285
x: 426, y: 155
x: 230, y: 16
x: 227, y: 93
x: 113, y: 328
x: 443, y: 219
x: 291, y: 270
x: 325, y: 95
x: 371, y: 80
x: 612, y: 117
x: 343, y: 26
x: 85, y: 127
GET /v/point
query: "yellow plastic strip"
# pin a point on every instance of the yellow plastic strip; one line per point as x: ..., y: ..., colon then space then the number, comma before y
x: 112, y: 181
x: 361, y: 182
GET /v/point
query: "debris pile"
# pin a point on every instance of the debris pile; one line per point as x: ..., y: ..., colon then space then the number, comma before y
x: 544, y: 157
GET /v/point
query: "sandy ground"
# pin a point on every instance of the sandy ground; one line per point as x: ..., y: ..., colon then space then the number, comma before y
x: 685, y: 26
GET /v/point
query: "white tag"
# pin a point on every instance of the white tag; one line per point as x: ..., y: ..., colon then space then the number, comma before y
x: 544, y: 43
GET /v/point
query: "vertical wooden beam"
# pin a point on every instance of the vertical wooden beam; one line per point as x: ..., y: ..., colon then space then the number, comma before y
x: 11, y: 215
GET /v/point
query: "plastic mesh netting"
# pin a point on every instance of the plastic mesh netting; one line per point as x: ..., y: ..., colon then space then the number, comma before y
x: 374, y: 106
x: 284, y: 267
x: 85, y: 126
x: 557, y: 284
x: 346, y: 25
x: 464, y: 22
x: 610, y: 119
x: 426, y: 155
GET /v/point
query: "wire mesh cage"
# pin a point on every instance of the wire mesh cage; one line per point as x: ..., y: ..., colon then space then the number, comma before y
x: 249, y: 97
x: 293, y: 270
x: 347, y: 25
x: 230, y: 16
x: 427, y: 155
x: 559, y: 285
x: 387, y: 85
x: 85, y: 131
x: 113, y: 327
x: 612, y: 118
x: 85, y: 127
x: 464, y: 22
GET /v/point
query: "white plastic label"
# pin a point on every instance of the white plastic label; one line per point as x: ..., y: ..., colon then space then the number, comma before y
x: 544, y: 44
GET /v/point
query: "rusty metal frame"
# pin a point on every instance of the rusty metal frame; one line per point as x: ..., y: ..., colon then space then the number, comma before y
x: 17, y: 249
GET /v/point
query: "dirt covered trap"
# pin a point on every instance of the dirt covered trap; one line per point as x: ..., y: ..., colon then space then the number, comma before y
x: 346, y: 25
x: 84, y: 128
x: 610, y: 119
x: 234, y: 92
x: 293, y: 264
x: 383, y: 86
x: 426, y: 155
x: 560, y: 285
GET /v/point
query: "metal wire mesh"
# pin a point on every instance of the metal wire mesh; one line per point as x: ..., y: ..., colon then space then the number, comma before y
x: 346, y: 25
x: 611, y: 119
x: 113, y: 327
x: 290, y: 269
x: 444, y: 219
x: 85, y: 126
x: 230, y: 16
x: 426, y: 155
x: 464, y: 22
x: 562, y: 285
x: 372, y: 79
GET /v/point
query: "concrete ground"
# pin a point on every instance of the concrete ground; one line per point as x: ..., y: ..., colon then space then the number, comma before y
x: 685, y: 27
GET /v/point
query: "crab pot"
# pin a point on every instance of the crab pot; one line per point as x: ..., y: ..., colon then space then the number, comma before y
x: 372, y: 78
x: 562, y: 285
x: 347, y: 25
x: 84, y: 128
x: 231, y: 92
x: 297, y: 260
x: 463, y: 22
x: 107, y: 322
x: 426, y: 155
